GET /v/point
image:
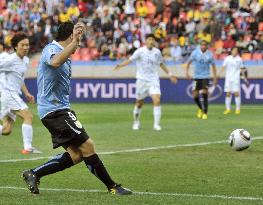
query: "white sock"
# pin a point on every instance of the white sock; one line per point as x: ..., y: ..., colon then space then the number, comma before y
x: 136, y: 113
x: 1, y: 129
x: 228, y: 102
x: 27, y: 132
x: 157, y: 113
x: 238, y: 102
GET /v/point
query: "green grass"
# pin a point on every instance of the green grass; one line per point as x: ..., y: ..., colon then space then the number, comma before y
x: 199, y: 171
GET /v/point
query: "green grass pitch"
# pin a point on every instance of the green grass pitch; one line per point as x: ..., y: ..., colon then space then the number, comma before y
x: 199, y: 175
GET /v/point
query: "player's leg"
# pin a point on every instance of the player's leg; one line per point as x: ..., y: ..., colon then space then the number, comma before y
x: 27, y: 131
x: 58, y: 163
x: 154, y: 91
x: 228, y: 90
x: 141, y: 93
x: 195, y: 93
x: 8, y: 118
x: 157, y: 111
x: 7, y: 126
x: 137, y: 113
x: 204, y: 88
x: 228, y: 100
x: 236, y: 91
x: 205, y: 101
x: 238, y: 102
x: 96, y: 167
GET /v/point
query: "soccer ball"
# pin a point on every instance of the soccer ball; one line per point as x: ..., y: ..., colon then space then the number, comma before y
x: 240, y: 139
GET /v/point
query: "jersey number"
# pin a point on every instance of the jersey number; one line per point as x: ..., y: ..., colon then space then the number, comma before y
x: 72, y: 116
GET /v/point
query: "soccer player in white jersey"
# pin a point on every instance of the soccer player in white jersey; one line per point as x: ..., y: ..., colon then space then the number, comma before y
x: 14, y: 68
x: 233, y: 67
x: 148, y: 61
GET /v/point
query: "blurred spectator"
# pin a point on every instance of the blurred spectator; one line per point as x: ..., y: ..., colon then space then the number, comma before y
x: 242, y: 44
x: 260, y: 44
x: 229, y: 43
x: 118, y: 27
x: 129, y: 7
x: 205, y: 36
x: 73, y: 12
x: 218, y: 46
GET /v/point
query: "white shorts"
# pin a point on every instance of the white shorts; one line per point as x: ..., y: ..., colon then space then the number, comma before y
x: 10, y: 102
x: 146, y: 88
x: 232, y: 86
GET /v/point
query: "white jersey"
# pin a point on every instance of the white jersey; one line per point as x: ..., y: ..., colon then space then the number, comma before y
x: 233, y: 67
x: 148, y: 63
x: 15, y: 69
x: 3, y: 57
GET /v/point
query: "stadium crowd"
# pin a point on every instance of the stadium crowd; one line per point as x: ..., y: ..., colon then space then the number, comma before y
x: 118, y: 27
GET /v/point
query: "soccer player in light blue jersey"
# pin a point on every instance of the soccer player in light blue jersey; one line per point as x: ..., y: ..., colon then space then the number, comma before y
x: 202, y: 59
x: 53, y: 81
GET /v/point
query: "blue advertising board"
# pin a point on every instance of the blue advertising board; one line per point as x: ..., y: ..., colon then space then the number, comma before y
x: 123, y: 90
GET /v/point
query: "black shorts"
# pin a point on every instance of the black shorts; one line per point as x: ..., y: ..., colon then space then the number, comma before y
x: 200, y: 84
x: 65, y: 129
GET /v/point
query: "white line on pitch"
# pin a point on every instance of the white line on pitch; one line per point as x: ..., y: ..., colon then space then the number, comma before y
x: 133, y: 150
x: 215, y: 196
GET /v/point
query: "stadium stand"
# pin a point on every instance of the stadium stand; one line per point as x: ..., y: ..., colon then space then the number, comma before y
x: 120, y: 26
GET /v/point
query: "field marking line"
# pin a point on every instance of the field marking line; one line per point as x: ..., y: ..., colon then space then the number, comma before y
x: 214, y: 196
x: 133, y: 150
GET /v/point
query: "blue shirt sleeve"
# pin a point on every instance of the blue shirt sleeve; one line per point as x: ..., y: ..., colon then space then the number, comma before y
x: 49, y: 52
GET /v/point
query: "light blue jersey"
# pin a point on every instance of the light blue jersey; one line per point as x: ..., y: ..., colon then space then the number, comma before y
x: 53, y: 83
x: 201, y: 62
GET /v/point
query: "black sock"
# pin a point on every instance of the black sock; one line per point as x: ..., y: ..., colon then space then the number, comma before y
x: 205, y: 96
x: 197, y: 101
x: 97, y: 168
x: 56, y: 164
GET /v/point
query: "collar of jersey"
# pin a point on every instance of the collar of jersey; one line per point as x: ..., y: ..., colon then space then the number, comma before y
x: 57, y: 44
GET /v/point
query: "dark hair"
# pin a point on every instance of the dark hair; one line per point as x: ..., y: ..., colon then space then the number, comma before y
x: 150, y: 36
x: 204, y: 41
x: 238, y: 50
x: 64, y: 31
x: 17, y: 38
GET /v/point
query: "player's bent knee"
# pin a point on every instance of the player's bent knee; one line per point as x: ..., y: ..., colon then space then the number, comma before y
x: 139, y: 103
x: 76, y: 157
x: 87, y: 148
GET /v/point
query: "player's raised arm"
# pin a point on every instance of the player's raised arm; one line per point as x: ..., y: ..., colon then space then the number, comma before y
x: 135, y: 56
x: 171, y: 75
x: 61, y: 57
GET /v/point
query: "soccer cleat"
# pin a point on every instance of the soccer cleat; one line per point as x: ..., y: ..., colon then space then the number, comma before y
x: 204, y: 116
x: 157, y: 127
x: 237, y: 112
x: 33, y: 150
x: 226, y: 112
x: 31, y: 180
x: 119, y: 190
x: 136, y: 125
x: 199, y: 113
